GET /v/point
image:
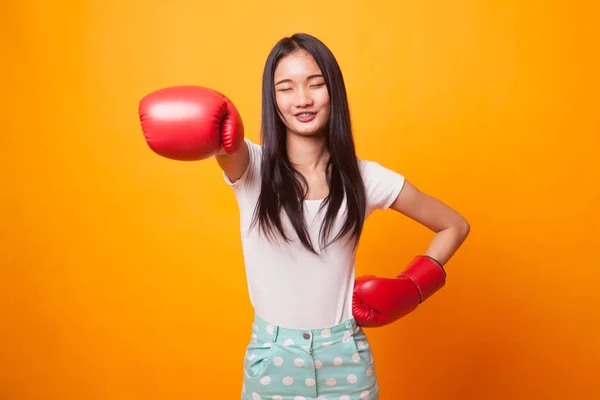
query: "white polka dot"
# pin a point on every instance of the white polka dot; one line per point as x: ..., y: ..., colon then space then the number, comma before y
x: 254, y: 336
x: 269, y: 329
x: 243, y: 388
x: 265, y: 380
x: 288, y: 380
x: 325, y: 333
x: 361, y: 345
x: 364, y: 394
x: 278, y: 361
x: 267, y: 345
x: 252, y: 356
x: 330, y: 381
x: 255, y: 396
x: 299, y: 398
x: 369, y: 371
x: 318, y: 364
x: 346, y: 337
x: 355, y: 357
x: 310, y: 382
x: 352, y: 378
x: 277, y: 397
x: 298, y: 362
x: 338, y: 361
x: 254, y: 327
x: 344, y: 397
x: 327, y: 344
x: 288, y: 342
x: 372, y: 359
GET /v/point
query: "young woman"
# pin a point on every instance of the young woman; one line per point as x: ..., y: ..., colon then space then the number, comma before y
x: 303, y: 196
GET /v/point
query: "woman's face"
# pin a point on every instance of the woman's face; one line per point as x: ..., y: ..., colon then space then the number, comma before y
x: 302, y: 95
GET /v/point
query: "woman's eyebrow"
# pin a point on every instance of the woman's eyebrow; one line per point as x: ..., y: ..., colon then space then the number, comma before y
x: 308, y: 78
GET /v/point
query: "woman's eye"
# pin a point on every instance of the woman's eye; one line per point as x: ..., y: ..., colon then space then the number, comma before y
x: 285, y: 90
x: 318, y: 85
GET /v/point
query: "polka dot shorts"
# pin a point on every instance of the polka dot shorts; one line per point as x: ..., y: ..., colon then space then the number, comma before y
x: 334, y: 363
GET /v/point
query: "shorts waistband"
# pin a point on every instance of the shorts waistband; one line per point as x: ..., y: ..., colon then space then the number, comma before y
x: 265, y: 331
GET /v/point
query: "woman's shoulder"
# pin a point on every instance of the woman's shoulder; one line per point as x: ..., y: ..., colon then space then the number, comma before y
x: 370, y: 167
x: 253, y: 143
x: 255, y: 149
x: 382, y: 183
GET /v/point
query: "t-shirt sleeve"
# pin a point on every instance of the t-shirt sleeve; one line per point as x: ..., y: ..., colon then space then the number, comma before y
x: 250, y: 179
x: 382, y: 185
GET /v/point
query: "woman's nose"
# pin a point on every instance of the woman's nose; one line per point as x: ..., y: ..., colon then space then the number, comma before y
x: 303, y: 99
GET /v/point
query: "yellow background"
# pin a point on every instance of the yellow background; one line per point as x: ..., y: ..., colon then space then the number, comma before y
x: 121, y: 272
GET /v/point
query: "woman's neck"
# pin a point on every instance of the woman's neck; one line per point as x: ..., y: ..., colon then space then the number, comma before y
x: 308, y: 153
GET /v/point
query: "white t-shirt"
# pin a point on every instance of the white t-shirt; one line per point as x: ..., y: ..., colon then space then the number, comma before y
x: 288, y: 285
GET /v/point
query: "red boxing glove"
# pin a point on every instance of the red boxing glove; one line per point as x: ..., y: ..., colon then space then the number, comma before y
x: 381, y: 301
x: 189, y: 123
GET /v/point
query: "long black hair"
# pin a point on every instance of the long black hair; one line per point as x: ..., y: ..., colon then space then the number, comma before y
x: 281, y: 186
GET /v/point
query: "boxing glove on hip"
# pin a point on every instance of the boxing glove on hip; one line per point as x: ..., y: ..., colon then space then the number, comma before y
x: 189, y: 123
x: 381, y: 301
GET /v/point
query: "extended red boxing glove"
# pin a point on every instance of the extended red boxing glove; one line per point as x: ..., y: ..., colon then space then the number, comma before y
x: 381, y: 301
x: 189, y: 123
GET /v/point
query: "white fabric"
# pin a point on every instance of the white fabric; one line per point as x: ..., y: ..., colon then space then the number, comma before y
x: 288, y: 285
